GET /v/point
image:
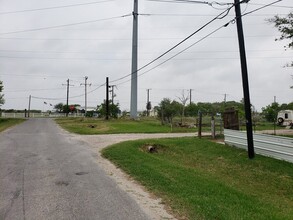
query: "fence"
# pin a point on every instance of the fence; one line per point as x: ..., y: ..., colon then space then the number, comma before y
x: 267, y: 145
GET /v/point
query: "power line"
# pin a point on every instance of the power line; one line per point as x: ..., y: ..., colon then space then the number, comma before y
x: 89, y: 91
x: 65, y: 25
x: 193, y: 2
x: 54, y: 7
x: 90, y: 52
x: 127, y: 59
x: 165, y: 61
x: 31, y: 90
x: 180, y: 1
x: 225, y: 25
x: 257, y: 9
x: 277, y: 6
x: 34, y: 75
x: 195, y: 15
x: 109, y: 39
x: 57, y: 58
x: 220, y: 16
x: 46, y: 98
x: 65, y: 39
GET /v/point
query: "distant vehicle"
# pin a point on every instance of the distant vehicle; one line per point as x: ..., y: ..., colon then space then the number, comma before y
x: 285, y: 117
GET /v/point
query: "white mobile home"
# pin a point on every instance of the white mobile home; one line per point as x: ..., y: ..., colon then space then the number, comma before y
x: 285, y: 117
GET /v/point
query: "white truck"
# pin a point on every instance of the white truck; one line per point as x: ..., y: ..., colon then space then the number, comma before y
x: 285, y: 118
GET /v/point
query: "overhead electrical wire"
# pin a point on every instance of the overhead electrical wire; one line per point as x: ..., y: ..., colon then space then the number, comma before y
x: 277, y: 6
x: 92, y: 52
x: 65, y: 25
x: 264, y: 6
x: 193, y: 2
x: 219, y: 16
x: 54, y: 7
x: 29, y: 90
x: 197, y: 15
x: 62, y: 59
x: 71, y: 97
x: 35, y: 97
x: 225, y: 25
x: 100, y: 86
x: 196, y: 2
x: 64, y: 39
x: 180, y: 52
x: 127, y: 59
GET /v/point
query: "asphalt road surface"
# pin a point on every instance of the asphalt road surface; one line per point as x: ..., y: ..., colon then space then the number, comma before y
x: 47, y: 174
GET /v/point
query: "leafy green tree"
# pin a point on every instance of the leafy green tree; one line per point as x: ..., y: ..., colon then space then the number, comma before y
x: 66, y: 109
x: 2, y: 101
x: 191, y: 110
x: 270, y: 112
x: 167, y: 109
x: 114, y: 110
x: 285, y: 26
x: 59, y: 107
x: 288, y: 106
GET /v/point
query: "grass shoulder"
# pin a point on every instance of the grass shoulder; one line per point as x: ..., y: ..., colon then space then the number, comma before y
x: 9, y: 122
x: 117, y: 126
x: 200, y: 179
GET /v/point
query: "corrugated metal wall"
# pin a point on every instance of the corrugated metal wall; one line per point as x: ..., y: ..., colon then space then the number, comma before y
x: 267, y: 145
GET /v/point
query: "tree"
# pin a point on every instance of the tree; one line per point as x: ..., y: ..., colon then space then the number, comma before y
x: 183, y: 99
x: 2, y: 101
x: 114, y: 110
x: 167, y: 109
x: 191, y: 110
x: 148, y: 108
x: 270, y: 112
x: 59, y: 107
x: 285, y: 26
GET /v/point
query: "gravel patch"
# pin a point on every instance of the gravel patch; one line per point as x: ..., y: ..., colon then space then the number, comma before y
x: 150, y: 204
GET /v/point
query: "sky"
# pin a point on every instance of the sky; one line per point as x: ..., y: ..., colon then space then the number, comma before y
x: 44, y: 43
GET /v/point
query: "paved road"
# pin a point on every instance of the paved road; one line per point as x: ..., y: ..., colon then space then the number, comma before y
x: 46, y: 173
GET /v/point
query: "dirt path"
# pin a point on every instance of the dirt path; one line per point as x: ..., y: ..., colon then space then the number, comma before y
x: 148, y: 202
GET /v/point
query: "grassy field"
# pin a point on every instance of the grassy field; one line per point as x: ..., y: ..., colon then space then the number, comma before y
x: 144, y: 125
x: 8, y: 122
x: 200, y: 179
x: 100, y: 126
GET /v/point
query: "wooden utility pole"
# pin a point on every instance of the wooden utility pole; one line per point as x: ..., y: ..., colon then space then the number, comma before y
x: 29, y: 106
x: 275, y: 116
x: 148, y: 106
x: 85, y: 94
x: 245, y: 83
x: 67, y: 99
x: 190, y: 101
x: 113, y: 94
x: 107, y: 98
x: 199, y: 123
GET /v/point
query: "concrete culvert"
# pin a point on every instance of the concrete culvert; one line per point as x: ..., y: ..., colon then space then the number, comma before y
x: 151, y: 149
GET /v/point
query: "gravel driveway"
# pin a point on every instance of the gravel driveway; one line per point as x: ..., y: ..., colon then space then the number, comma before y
x: 148, y: 202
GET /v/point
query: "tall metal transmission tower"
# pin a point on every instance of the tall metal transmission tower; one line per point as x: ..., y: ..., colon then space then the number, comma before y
x: 133, y: 101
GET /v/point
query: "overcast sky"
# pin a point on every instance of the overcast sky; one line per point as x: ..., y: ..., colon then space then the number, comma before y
x: 70, y: 39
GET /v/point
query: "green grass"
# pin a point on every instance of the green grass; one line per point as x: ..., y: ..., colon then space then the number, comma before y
x: 116, y: 126
x: 8, y: 122
x: 260, y: 126
x: 199, y: 179
x: 144, y: 125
